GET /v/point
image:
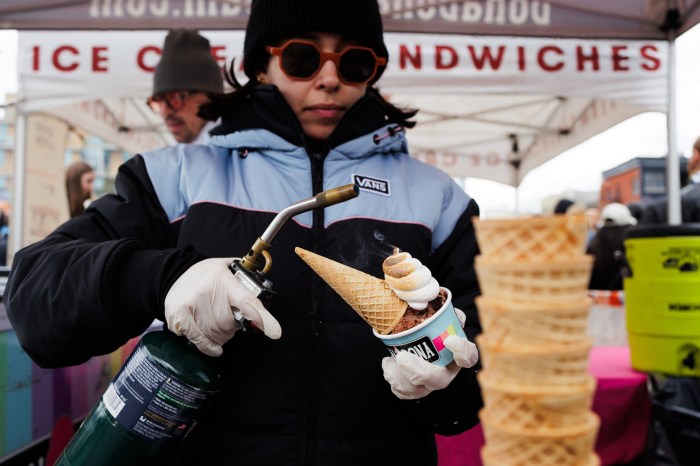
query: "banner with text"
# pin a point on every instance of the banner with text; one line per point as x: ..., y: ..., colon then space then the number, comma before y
x: 45, y: 199
x: 589, y: 85
x: 79, y: 65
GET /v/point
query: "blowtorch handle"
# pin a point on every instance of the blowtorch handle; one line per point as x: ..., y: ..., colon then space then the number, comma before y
x: 337, y: 195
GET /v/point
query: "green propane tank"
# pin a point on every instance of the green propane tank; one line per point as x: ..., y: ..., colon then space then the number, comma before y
x: 149, y: 407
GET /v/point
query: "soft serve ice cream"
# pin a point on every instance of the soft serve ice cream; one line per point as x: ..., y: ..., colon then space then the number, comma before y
x: 412, y: 282
x: 407, y: 310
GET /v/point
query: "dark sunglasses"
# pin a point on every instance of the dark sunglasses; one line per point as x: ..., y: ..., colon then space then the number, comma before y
x: 173, y: 100
x: 302, y: 60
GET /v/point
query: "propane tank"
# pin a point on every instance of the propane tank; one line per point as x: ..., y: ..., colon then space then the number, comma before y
x: 166, y: 383
x: 149, y: 407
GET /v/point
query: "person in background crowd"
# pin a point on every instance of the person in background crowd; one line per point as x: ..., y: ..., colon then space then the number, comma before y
x: 637, y: 210
x: 569, y: 207
x: 593, y: 214
x: 608, y: 248
x: 185, y: 78
x: 657, y: 212
x: 318, y: 387
x: 4, y: 233
x: 80, y: 177
x: 562, y: 206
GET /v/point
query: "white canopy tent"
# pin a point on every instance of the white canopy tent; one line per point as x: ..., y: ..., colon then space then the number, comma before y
x: 491, y: 107
x: 623, y: 19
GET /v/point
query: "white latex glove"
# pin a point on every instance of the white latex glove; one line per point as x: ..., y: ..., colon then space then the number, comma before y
x: 201, y: 302
x: 412, y: 377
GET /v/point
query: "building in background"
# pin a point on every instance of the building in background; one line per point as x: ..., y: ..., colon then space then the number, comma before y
x: 639, y: 180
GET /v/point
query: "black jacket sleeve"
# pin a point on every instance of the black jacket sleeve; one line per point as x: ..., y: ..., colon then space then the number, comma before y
x: 98, y: 279
x: 455, y: 408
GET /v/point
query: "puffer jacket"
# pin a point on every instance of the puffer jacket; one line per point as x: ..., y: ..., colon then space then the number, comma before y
x: 316, y: 396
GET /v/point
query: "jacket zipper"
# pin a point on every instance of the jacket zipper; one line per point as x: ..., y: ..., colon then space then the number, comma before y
x: 316, y: 234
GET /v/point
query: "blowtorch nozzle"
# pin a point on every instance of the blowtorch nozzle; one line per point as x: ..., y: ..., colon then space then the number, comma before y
x: 337, y: 195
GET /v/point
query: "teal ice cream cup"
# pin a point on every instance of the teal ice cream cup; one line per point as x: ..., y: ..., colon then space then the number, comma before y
x: 426, y: 340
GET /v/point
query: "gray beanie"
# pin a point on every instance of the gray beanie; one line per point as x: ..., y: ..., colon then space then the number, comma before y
x: 187, y: 64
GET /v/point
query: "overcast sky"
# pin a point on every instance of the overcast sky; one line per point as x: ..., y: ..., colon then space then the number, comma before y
x: 578, y: 169
x: 581, y: 168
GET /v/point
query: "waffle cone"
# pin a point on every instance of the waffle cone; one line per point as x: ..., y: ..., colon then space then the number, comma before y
x: 525, y: 324
x: 532, y: 238
x: 535, y: 366
x: 488, y: 460
x: 369, y: 296
x: 570, y: 445
x: 536, y: 408
x: 545, y: 282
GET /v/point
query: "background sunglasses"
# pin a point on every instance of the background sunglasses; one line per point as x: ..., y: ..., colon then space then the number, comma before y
x: 302, y: 60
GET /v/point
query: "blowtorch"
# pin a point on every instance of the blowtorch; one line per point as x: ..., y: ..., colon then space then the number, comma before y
x: 252, y: 269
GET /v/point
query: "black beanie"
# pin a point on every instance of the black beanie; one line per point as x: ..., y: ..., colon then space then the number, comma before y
x: 271, y: 21
x: 187, y: 64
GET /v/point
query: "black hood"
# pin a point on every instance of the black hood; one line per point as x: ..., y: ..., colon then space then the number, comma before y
x: 266, y: 108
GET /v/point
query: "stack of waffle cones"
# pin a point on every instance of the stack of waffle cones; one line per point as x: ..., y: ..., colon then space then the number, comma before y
x: 369, y: 296
x: 537, y: 391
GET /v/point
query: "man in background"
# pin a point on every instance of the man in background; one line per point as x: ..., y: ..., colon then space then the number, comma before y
x: 183, y: 80
x: 657, y: 212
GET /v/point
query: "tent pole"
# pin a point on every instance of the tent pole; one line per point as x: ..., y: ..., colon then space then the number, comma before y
x: 516, y: 182
x: 18, y: 180
x: 515, y: 162
x: 672, y: 162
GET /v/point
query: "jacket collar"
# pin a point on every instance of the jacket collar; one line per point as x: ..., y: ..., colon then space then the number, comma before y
x: 265, y: 108
x: 385, y: 140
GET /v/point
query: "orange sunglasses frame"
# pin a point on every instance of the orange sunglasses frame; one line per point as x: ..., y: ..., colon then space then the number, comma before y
x: 325, y: 56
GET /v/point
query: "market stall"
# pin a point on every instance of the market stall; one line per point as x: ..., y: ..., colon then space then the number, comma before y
x: 498, y: 94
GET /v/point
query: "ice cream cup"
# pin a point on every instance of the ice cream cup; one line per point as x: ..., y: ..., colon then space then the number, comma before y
x: 427, y: 339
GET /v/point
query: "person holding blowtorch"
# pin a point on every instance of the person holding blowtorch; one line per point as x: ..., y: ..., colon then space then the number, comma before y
x: 313, y: 389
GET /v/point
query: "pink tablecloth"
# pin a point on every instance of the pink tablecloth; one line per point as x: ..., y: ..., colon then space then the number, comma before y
x: 621, y: 400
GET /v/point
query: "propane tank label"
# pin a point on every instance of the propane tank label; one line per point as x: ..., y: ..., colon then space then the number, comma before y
x: 151, y: 403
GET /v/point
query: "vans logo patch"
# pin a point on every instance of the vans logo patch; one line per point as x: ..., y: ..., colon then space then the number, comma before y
x: 375, y: 185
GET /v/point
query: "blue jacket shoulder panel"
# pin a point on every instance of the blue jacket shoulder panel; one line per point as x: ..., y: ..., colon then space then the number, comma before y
x: 394, y: 186
x: 187, y: 173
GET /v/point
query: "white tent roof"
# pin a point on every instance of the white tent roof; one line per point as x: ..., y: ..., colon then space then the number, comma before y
x: 471, y: 124
x: 628, y: 19
x: 491, y: 108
